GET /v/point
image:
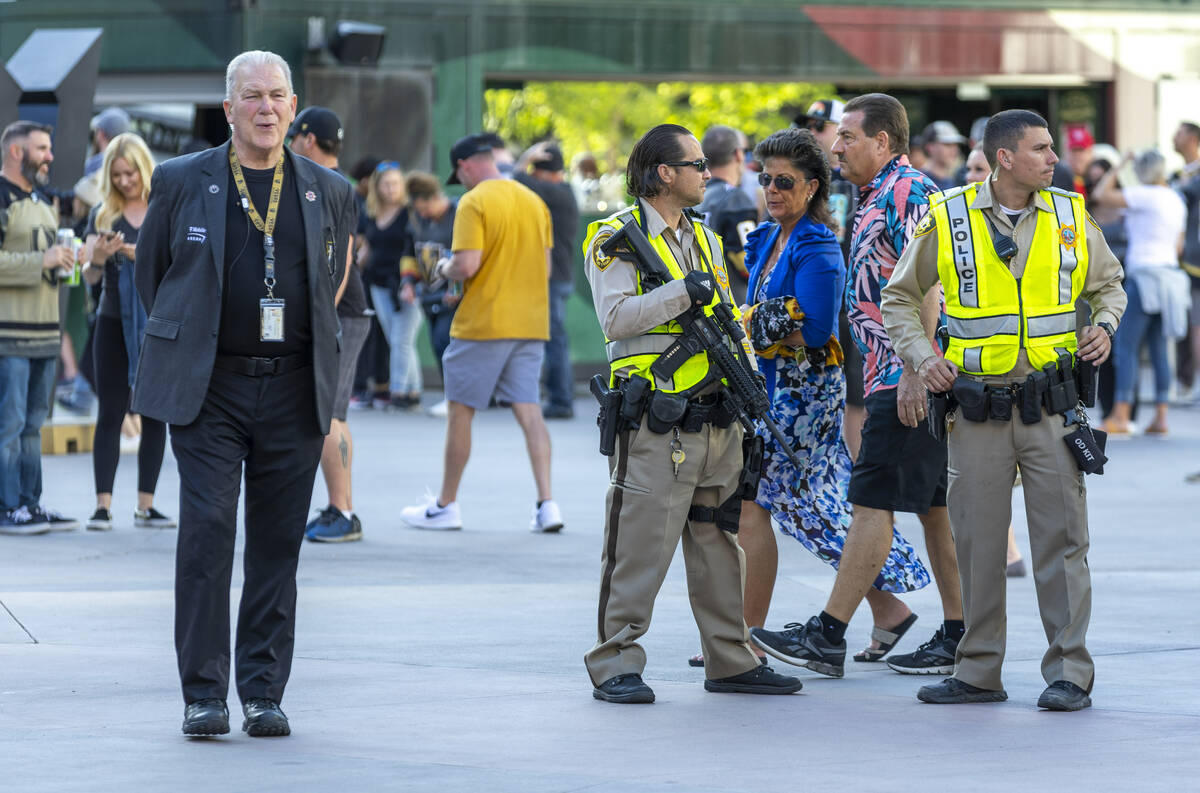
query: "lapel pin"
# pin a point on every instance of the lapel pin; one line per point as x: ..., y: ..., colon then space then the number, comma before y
x: 310, y: 196
x: 212, y: 188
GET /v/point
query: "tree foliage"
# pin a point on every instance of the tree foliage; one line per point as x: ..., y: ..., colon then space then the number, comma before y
x: 607, y: 118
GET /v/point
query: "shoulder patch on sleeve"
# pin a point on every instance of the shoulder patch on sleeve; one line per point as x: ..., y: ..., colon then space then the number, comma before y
x: 926, y: 225
x: 598, y: 258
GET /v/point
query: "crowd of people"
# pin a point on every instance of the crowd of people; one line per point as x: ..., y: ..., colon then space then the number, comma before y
x: 897, y: 353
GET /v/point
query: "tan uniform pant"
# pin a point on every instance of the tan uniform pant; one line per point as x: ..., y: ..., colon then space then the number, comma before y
x: 983, y: 463
x: 646, y: 515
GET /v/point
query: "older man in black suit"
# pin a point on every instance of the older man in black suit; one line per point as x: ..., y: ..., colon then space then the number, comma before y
x: 240, y: 263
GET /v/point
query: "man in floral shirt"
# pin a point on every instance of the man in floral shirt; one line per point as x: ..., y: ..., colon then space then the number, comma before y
x: 900, y: 467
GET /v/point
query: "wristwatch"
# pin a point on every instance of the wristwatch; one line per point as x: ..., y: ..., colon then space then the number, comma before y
x: 1107, y: 328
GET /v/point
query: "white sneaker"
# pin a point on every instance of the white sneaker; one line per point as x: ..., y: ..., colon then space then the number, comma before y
x: 428, y: 515
x: 547, y: 518
x: 439, y: 410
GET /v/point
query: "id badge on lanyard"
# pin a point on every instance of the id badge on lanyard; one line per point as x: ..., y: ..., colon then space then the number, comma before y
x: 270, y: 308
x: 270, y: 319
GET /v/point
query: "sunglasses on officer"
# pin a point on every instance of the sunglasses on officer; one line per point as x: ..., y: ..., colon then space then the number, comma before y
x: 700, y: 165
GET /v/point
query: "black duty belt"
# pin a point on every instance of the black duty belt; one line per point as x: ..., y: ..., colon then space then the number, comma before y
x: 254, y: 366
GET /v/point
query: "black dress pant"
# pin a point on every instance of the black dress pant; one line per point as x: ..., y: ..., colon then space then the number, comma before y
x: 268, y: 425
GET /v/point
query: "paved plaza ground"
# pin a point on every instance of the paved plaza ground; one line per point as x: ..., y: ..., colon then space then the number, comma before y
x: 453, y: 661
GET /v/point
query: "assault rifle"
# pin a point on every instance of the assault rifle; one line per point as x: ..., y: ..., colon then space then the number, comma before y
x: 719, y: 335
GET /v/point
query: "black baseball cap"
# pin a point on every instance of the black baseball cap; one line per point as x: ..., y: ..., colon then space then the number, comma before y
x: 465, y: 148
x: 552, y: 162
x: 320, y: 121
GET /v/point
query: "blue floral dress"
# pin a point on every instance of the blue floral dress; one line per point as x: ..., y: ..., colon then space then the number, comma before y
x: 807, y: 401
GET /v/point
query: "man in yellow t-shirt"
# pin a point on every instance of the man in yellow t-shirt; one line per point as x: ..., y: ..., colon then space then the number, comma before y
x: 502, y: 242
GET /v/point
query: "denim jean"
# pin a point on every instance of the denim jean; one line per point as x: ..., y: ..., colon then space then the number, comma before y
x: 400, y: 325
x: 26, y: 385
x: 1138, y: 327
x: 439, y: 332
x: 557, y: 372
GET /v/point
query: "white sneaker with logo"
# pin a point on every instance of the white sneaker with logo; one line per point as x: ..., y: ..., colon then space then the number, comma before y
x: 547, y: 518
x: 428, y: 515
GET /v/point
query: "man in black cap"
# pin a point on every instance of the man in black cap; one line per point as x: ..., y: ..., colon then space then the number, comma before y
x: 317, y: 134
x: 542, y: 170
x: 502, y: 251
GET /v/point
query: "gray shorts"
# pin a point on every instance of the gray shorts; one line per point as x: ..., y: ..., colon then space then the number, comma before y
x: 354, y: 334
x: 508, y: 369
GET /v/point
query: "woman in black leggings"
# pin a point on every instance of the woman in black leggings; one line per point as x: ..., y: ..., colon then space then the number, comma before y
x: 120, y: 320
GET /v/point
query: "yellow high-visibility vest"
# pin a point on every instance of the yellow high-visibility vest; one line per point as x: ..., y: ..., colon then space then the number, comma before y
x: 991, y: 315
x: 640, y: 352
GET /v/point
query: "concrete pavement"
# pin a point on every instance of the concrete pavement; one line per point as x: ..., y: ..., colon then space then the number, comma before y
x: 453, y: 661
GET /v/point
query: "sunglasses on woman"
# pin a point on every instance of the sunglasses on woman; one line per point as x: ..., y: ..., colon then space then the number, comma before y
x: 782, y: 181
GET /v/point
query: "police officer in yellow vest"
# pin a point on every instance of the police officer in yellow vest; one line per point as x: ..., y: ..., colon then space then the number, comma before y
x: 674, y: 474
x: 1012, y: 255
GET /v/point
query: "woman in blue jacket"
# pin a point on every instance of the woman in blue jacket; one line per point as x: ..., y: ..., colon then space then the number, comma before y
x: 797, y: 277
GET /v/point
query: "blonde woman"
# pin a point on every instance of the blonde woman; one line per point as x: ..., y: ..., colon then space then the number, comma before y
x: 391, y: 272
x: 120, y: 319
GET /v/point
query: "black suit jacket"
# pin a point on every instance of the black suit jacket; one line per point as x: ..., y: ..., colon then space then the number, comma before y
x: 180, y: 270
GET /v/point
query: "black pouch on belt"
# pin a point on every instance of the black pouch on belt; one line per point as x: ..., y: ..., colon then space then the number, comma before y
x: 1086, y: 374
x: 1000, y: 402
x: 665, y: 411
x: 1031, y: 398
x: 972, y: 398
x: 1087, y: 447
x: 633, y: 401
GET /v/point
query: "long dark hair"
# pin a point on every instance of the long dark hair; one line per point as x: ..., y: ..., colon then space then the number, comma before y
x: 661, y: 144
x: 800, y: 148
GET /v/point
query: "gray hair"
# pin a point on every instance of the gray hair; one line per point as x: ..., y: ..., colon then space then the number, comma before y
x: 1150, y: 167
x: 254, y: 58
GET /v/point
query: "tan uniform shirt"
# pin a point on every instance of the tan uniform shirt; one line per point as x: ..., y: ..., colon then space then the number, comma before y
x: 622, y: 312
x: 917, y: 272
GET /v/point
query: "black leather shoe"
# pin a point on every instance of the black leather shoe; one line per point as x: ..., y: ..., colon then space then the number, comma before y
x: 762, y: 679
x: 1064, y: 695
x: 264, y: 718
x: 953, y: 691
x: 626, y: 689
x: 206, y: 717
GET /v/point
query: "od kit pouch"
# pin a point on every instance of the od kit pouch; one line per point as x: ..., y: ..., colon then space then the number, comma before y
x: 1087, y: 447
x: 665, y: 411
x: 972, y: 398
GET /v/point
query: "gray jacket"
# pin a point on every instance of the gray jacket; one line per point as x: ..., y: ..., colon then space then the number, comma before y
x: 180, y: 273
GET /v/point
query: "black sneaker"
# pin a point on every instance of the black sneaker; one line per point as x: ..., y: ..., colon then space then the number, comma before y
x: 152, y: 519
x: 21, y: 521
x: 803, y: 645
x: 101, y: 520
x: 332, y: 526
x: 953, y: 691
x: 1064, y: 695
x: 762, y: 679
x: 54, y: 519
x: 934, y: 657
